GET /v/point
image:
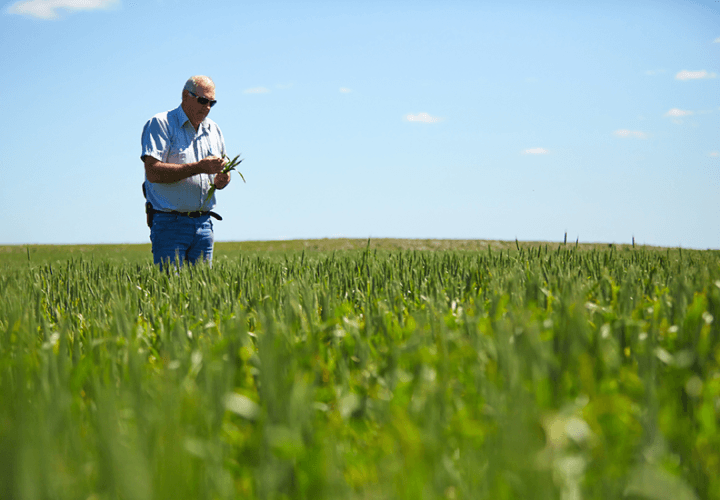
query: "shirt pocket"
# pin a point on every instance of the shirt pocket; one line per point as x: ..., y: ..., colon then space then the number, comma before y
x: 210, y: 147
x: 183, y: 156
x: 179, y: 156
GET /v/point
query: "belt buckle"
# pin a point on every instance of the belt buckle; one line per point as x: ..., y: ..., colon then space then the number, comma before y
x: 194, y: 215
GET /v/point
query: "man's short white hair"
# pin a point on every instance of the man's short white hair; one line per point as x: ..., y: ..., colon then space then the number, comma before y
x: 192, y: 84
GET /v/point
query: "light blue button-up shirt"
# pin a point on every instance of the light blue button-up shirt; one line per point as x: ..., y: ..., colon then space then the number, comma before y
x: 171, y: 138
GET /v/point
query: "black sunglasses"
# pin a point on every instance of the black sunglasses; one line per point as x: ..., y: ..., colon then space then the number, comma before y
x: 202, y: 100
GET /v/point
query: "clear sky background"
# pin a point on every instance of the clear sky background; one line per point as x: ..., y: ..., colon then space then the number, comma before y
x: 405, y: 119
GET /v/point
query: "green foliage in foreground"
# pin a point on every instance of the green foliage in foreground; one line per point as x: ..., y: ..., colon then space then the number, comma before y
x: 364, y: 374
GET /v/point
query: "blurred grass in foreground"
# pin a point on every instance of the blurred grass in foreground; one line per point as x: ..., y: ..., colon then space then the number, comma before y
x: 525, y: 372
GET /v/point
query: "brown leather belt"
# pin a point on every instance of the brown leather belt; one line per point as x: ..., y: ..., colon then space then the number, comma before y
x: 192, y: 215
x: 150, y: 211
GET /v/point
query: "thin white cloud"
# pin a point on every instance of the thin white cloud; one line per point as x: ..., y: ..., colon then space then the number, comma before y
x: 345, y: 90
x: 676, y: 113
x: 694, y: 75
x: 633, y: 134
x: 536, y: 151
x: 49, y: 9
x: 283, y: 86
x: 714, y: 154
x: 256, y: 90
x: 717, y: 40
x: 423, y: 118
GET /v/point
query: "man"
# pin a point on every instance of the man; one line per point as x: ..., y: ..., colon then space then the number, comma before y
x: 183, y: 151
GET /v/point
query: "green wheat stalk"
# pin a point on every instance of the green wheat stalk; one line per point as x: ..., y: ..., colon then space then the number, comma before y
x: 230, y: 165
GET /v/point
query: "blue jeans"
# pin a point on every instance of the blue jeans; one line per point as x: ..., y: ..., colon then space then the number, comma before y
x: 178, y: 236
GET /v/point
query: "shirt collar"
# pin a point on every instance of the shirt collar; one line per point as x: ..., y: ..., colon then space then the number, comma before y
x: 182, y: 118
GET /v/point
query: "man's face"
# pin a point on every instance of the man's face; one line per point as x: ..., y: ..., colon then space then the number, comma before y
x: 195, y: 111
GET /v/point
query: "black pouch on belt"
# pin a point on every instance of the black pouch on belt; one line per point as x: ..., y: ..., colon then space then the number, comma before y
x: 149, y: 210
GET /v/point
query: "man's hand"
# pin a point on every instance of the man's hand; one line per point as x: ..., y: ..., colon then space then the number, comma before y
x: 222, y: 180
x: 212, y: 165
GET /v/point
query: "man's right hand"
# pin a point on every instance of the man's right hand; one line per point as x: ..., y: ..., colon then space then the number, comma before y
x: 212, y: 164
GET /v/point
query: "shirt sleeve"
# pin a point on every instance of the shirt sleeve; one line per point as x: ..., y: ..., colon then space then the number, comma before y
x: 222, y: 142
x: 155, y: 139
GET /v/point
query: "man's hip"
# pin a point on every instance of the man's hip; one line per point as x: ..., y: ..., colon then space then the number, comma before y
x: 182, y: 237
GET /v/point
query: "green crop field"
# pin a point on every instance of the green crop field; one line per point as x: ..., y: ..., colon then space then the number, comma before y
x: 347, y: 369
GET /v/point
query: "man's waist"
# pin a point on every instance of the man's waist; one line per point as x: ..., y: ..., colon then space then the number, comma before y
x: 192, y: 214
x: 183, y: 196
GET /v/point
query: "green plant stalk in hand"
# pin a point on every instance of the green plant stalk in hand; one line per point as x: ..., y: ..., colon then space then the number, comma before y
x: 230, y: 165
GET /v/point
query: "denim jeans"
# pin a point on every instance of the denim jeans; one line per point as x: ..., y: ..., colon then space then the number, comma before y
x: 178, y: 236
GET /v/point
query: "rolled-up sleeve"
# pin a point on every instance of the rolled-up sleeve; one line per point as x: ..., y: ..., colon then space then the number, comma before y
x: 155, y: 139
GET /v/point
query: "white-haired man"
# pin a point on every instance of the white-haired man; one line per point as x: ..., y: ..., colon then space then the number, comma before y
x: 183, y: 151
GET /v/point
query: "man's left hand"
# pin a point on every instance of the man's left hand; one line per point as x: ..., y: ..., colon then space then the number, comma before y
x: 222, y: 180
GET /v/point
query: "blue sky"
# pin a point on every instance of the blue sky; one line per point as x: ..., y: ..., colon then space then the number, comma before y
x: 422, y: 119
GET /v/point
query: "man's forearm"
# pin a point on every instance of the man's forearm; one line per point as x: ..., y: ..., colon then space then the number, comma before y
x: 160, y: 172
